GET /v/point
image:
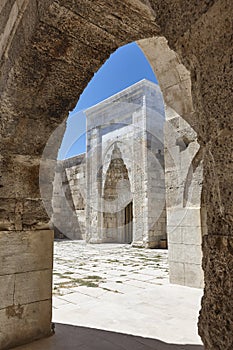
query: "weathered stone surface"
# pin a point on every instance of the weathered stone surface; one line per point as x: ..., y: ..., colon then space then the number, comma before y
x: 7, y: 290
x: 23, y: 251
x: 25, y: 288
x: 110, y: 158
x: 217, y: 306
x: 33, y: 286
x: 23, y: 323
x: 183, y: 167
x: 125, y: 199
x: 68, y: 203
x: 38, y: 88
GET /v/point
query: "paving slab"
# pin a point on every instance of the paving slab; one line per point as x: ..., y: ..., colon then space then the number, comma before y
x: 142, y: 304
x: 92, y: 292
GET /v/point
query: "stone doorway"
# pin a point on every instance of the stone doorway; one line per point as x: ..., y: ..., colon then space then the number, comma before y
x: 129, y: 223
x: 117, y: 215
x: 122, y: 166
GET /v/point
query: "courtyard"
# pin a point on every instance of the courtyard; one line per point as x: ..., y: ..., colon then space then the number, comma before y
x: 115, y: 287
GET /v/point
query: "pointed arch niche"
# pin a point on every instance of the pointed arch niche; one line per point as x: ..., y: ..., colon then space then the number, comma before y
x: 117, y: 223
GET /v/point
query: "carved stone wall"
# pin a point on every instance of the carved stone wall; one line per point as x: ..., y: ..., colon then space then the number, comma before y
x: 114, y: 225
x: 182, y: 168
x: 129, y: 124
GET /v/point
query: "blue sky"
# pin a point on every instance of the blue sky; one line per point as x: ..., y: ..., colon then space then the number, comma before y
x: 125, y: 66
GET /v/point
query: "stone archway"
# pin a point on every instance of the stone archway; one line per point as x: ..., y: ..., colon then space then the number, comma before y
x: 183, y: 164
x: 49, y: 51
x: 117, y: 225
x: 132, y: 119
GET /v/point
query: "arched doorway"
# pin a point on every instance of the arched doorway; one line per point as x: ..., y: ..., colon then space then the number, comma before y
x: 117, y: 221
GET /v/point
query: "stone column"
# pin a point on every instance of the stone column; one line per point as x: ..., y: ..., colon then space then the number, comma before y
x: 26, y: 246
x: 155, y: 119
x: 93, y: 199
x: 183, y: 183
x: 183, y: 166
x: 139, y: 185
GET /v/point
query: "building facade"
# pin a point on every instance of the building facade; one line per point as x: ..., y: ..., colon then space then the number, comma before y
x: 125, y: 198
x: 116, y: 191
x: 137, y: 183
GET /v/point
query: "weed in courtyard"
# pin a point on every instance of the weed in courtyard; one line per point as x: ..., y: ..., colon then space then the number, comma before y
x: 113, y: 261
x: 98, y: 278
x: 58, y: 274
x: 84, y: 282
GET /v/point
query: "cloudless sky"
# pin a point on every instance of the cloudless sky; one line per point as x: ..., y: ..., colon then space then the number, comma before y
x: 126, y: 66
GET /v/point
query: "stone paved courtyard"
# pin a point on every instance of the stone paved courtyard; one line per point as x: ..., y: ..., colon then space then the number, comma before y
x: 123, y: 289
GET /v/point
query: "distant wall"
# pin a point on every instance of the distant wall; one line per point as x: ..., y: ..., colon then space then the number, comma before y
x: 68, y: 200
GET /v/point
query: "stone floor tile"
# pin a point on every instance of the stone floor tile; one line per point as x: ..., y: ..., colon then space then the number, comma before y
x: 77, y: 298
x: 145, y: 304
x: 92, y: 292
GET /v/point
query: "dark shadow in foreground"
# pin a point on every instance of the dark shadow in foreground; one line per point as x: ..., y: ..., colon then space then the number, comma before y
x: 73, y: 338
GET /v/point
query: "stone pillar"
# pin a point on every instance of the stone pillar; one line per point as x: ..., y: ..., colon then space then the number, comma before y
x: 93, y: 197
x: 157, y: 230
x: 139, y: 185
x: 183, y: 164
x: 26, y: 246
x: 183, y: 174
x: 216, y: 316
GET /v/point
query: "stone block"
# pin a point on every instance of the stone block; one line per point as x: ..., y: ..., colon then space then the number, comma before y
x: 192, y: 254
x: 170, y: 78
x: 183, y: 217
x: 176, y: 252
x: 194, y: 276
x: 176, y: 273
x: 22, y: 251
x: 6, y: 290
x: 33, y: 212
x: 20, y: 324
x: 176, y: 94
x: 33, y: 286
x: 174, y: 235
x: 192, y: 235
x: 19, y: 179
x: 182, y: 71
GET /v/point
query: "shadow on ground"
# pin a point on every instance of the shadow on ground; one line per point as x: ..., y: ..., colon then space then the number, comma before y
x: 72, y: 338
